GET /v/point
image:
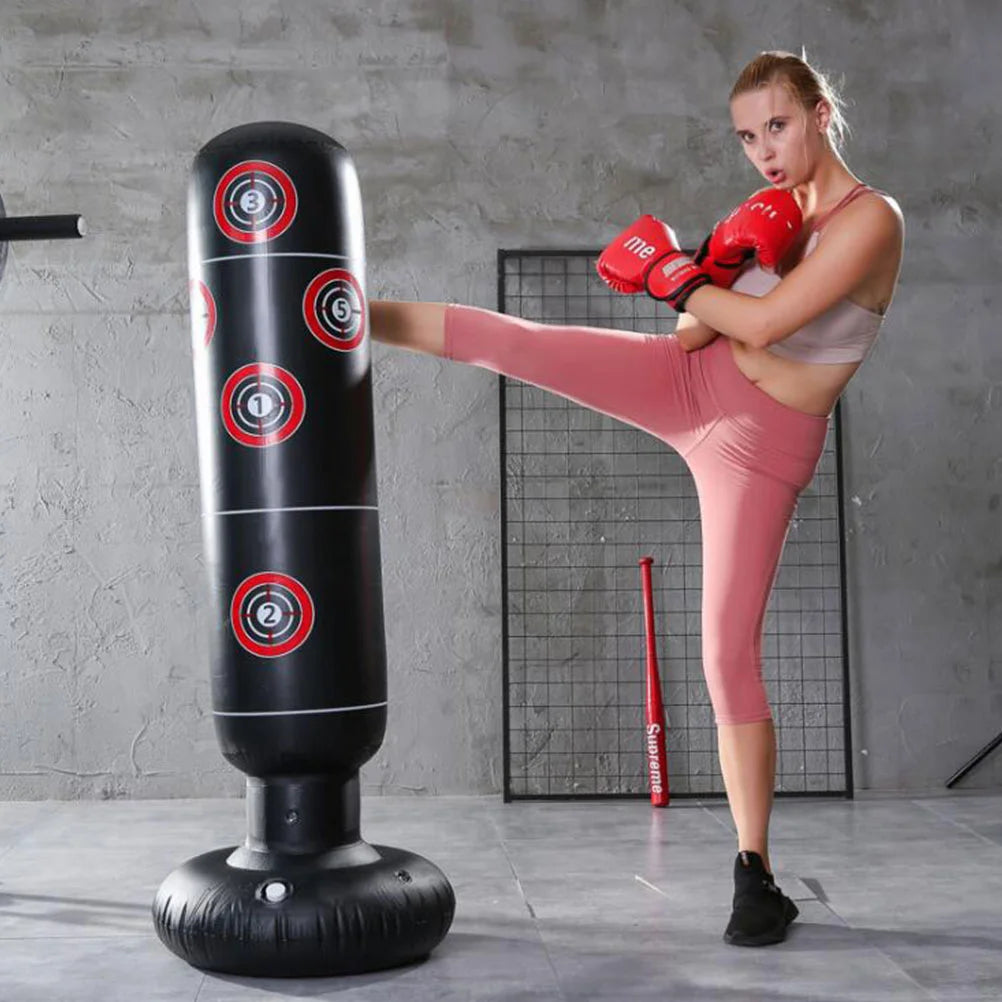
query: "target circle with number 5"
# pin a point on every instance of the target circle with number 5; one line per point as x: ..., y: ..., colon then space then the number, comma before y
x: 334, y: 309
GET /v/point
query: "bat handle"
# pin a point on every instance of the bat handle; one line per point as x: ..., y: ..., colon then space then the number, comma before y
x: 645, y: 573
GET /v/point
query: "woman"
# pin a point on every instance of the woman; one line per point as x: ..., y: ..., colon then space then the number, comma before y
x: 742, y: 391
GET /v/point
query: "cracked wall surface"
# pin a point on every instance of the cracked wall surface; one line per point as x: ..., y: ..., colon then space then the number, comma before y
x: 473, y: 127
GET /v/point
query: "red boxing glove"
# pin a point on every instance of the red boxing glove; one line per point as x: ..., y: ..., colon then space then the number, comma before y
x: 646, y: 257
x: 623, y: 264
x: 765, y: 224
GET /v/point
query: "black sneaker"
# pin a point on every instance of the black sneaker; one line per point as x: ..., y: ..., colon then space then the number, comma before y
x: 761, y: 910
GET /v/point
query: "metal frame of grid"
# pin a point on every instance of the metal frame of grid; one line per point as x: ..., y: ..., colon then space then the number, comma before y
x: 583, y: 498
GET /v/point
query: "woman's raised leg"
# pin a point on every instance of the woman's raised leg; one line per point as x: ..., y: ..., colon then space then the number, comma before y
x: 414, y: 326
x: 643, y: 380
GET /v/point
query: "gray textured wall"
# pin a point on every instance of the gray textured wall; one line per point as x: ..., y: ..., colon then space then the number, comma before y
x: 473, y: 126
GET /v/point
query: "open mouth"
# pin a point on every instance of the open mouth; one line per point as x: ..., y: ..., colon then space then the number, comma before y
x: 775, y: 174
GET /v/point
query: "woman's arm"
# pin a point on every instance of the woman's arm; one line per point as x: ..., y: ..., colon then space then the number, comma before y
x: 415, y: 326
x: 693, y: 333
x: 863, y: 236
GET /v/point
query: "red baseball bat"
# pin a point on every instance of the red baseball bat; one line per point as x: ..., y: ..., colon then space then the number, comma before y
x: 654, y: 712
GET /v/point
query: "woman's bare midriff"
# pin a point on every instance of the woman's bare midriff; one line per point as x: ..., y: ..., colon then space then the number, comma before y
x: 810, y: 387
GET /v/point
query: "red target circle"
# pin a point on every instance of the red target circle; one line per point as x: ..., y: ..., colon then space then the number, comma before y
x: 271, y: 614
x: 203, y: 312
x: 255, y: 201
x: 262, y: 404
x: 334, y: 309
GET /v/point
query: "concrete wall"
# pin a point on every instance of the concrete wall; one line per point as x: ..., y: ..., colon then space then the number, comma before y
x: 473, y: 127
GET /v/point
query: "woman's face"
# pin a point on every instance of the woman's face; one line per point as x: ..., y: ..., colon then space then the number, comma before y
x: 779, y: 137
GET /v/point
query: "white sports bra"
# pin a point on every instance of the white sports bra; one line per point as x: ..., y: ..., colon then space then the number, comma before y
x: 843, y: 333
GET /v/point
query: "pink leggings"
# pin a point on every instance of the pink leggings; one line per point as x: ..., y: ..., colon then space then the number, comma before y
x: 750, y: 457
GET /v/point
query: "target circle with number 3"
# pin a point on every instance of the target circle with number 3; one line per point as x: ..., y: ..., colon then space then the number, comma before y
x: 255, y: 201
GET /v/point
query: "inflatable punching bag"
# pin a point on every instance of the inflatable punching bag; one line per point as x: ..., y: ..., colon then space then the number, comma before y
x: 291, y: 533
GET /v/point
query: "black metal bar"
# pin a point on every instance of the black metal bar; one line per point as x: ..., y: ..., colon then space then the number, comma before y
x: 502, y: 433
x: 968, y: 766
x: 645, y: 795
x: 843, y: 597
x: 549, y: 252
x: 69, y: 227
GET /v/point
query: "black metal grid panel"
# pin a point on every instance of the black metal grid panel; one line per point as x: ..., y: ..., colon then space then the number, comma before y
x: 583, y: 498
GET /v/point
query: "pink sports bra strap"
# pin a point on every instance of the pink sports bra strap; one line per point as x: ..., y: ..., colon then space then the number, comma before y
x: 850, y: 196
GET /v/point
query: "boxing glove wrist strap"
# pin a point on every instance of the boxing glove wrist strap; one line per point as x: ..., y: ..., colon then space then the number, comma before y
x: 673, y: 278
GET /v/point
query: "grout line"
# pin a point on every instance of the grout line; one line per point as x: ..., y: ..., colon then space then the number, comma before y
x: 866, y: 944
x: 729, y: 828
x: 62, y: 808
x: 76, y: 939
x: 958, y: 824
x: 535, y: 921
x: 201, y: 985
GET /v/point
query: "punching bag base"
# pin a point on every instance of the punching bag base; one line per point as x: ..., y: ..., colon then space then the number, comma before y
x: 291, y: 919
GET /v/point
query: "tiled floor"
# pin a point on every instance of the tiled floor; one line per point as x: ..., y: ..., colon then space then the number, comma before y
x: 899, y: 899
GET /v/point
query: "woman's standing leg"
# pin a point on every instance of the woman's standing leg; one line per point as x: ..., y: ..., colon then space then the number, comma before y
x: 745, y: 517
x: 748, y: 763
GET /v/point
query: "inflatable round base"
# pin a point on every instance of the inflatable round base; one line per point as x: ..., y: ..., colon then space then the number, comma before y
x: 352, y: 910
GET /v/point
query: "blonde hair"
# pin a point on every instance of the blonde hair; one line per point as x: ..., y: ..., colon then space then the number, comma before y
x: 804, y: 83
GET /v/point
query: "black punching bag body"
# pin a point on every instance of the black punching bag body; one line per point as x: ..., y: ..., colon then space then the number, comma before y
x: 291, y: 530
